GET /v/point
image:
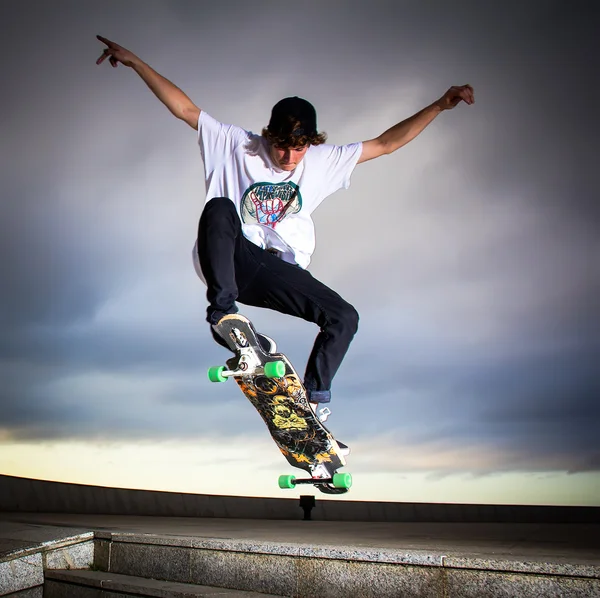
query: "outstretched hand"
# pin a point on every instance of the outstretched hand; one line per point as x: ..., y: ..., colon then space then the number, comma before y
x: 455, y: 95
x: 116, y: 54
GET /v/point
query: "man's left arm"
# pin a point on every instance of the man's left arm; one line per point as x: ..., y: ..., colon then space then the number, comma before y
x: 408, y: 129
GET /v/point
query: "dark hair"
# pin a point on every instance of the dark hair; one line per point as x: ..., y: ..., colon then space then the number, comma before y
x: 293, y: 139
x: 293, y: 123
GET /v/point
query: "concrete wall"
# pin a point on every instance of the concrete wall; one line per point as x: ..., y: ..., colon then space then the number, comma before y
x: 308, y: 571
x: 38, y: 496
x: 26, y: 553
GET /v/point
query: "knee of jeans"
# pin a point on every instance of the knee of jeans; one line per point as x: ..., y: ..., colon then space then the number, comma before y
x: 347, y: 319
x: 219, y: 204
x: 352, y: 319
x: 218, y: 209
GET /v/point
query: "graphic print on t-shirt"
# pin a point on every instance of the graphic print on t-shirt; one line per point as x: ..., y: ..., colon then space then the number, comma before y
x: 270, y: 203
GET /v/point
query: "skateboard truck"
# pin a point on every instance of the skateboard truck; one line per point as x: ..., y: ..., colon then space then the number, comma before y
x: 321, y: 476
x: 246, y: 365
x: 337, y: 480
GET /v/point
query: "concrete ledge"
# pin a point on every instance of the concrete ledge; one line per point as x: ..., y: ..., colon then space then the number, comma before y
x: 324, y: 559
x: 28, y: 495
x: 303, y: 571
x: 26, y: 551
x: 21, y: 573
x: 36, y: 496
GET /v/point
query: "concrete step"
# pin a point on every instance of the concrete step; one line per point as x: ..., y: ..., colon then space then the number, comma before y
x: 100, y: 584
x: 27, y: 550
x: 308, y: 571
x: 37, y: 592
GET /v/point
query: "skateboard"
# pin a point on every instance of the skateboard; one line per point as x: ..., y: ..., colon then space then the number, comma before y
x: 271, y: 384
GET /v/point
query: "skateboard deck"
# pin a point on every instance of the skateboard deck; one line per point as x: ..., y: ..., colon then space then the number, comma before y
x: 271, y: 384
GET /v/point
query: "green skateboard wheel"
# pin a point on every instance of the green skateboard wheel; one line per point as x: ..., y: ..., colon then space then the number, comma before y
x: 215, y: 374
x: 287, y: 481
x: 342, y: 480
x: 274, y: 369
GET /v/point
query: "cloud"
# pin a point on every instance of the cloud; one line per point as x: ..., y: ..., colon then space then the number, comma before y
x: 471, y: 254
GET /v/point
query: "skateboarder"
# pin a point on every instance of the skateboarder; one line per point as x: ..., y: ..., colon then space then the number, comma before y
x: 256, y: 235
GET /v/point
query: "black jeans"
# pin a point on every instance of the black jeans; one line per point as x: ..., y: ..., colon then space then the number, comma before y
x: 238, y: 270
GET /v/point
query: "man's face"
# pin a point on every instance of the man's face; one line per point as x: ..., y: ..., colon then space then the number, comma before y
x: 289, y: 157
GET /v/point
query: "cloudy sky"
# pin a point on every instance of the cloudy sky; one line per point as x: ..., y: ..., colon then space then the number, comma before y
x: 472, y: 254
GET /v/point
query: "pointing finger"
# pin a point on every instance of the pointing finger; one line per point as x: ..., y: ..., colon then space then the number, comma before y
x: 106, y: 41
x: 102, y: 57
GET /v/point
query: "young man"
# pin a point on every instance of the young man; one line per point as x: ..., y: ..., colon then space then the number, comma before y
x: 256, y: 234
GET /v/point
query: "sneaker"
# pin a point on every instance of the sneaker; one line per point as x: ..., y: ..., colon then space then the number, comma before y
x: 322, y: 413
x: 219, y: 340
x: 267, y: 343
x: 344, y: 448
x: 215, y: 316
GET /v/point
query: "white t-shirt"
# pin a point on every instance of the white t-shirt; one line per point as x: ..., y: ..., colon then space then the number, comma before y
x: 275, y: 206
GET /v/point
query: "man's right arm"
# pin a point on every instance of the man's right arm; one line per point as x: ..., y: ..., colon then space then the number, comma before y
x: 178, y: 103
x: 169, y: 94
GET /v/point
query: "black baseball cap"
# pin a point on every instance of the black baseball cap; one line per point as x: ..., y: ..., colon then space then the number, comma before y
x: 287, y: 112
